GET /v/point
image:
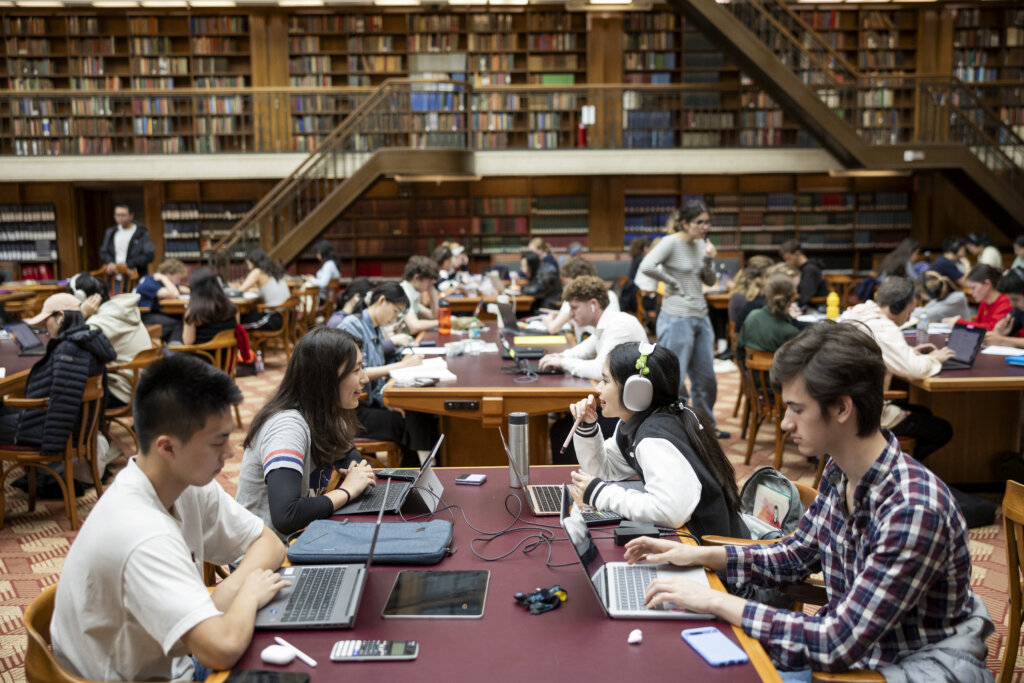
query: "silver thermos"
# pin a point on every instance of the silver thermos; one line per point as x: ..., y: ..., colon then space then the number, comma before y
x: 519, y: 445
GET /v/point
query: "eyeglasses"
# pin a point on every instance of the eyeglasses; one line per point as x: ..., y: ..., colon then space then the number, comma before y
x: 399, y: 312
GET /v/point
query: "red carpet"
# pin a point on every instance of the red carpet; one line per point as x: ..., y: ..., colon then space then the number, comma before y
x: 33, y: 545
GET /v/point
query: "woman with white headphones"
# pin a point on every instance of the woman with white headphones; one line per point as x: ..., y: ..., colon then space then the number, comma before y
x: 660, y: 439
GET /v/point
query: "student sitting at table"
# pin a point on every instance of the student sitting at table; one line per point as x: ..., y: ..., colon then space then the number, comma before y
x: 74, y: 353
x: 588, y: 301
x: 414, y: 431
x: 1018, y: 252
x: 812, y: 283
x: 543, y: 251
x: 329, y: 267
x: 940, y: 297
x: 993, y: 306
x: 637, y: 249
x: 1010, y: 330
x: 418, y: 285
x: 349, y: 300
x: 574, y: 267
x: 542, y: 282
x: 980, y: 247
x: 447, y: 274
x: 687, y: 478
x: 771, y: 326
x: 266, y: 277
x: 748, y: 290
x: 304, y: 433
x: 165, y: 283
x: 131, y: 604
x: 949, y: 263
x: 884, y: 531
x: 209, y: 310
x: 119, y: 321
x: 883, y: 317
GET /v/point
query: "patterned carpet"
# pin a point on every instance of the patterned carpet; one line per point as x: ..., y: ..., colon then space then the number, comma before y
x: 33, y: 545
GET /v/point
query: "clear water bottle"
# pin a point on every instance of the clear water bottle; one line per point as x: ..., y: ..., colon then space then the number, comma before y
x: 723, y: 278
x: 259, y: 362
x: 922, y: 328
x: 519, y: 446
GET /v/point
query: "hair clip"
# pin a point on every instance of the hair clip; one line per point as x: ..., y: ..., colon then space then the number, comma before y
x: 646, y: 349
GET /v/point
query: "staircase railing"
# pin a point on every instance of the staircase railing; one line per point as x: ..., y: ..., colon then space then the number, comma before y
x: 382, y: 121
x: 944, y: 109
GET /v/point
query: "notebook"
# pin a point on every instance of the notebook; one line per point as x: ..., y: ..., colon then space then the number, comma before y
x: 620, y: 587
x: 965, y: 340
x: 545, y: 499
x: 27, y: 341
x: 321, y: 596
x: 402, y: 495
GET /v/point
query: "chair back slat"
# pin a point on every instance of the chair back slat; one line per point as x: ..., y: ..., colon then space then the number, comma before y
x: 1013, y: 523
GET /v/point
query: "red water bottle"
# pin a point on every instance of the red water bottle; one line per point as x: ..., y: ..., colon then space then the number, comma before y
x: 581, y: 135
x: 444, y: 317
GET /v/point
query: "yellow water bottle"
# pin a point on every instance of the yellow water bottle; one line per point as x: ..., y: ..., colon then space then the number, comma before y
x: 832, y: 306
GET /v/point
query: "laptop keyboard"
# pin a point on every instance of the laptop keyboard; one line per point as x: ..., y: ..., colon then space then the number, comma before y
x: 314, y: 594
x: 371, y: 499
x: 549, y: 498
x: 631, y: 584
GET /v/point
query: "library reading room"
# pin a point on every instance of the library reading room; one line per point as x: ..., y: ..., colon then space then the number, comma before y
x: 694, y: 326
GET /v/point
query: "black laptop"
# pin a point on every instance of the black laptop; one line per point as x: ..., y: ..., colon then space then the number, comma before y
x: 523, y: 367
x: 965, y: 340
x: 27, y: 341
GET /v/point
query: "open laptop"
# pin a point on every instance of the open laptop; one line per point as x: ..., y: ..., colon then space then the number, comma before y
x: 545, y: 499
x: 402, y: 495
x: 619, y: 586
x: 27, y: 341
x: 321, y: 596
x: 965, y: 340
x: 523, y: 367
x: 495, y: 278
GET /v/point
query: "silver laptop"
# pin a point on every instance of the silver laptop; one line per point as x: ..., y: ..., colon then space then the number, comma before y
x: 422, y: 494
x: 321, y: 596
x: 545, y: 499
x: 619, y: 586
x: 495, y: 279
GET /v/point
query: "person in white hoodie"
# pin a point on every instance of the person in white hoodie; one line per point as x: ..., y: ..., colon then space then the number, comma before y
x: 120, y: 321
x: 892, y: 307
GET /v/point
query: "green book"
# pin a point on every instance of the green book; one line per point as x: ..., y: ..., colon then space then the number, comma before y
x: 558, y: 79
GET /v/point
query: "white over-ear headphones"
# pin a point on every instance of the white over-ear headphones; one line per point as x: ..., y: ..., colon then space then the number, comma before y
x: 79, y: 294
x: 638, y: 391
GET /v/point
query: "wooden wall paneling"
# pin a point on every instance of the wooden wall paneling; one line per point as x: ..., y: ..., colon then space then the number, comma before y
x: 153, y: 193
x: 606, y: 211
x: 762, y: 183
x: 950, y: 212
x: 277, y: 76
x: 659, y: 184
x: 70, y: 259
x: 604, y: 65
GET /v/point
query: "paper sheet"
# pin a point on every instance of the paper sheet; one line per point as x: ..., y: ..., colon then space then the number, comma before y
x: 547, y: 340
x: 431, y: 368
x: 996, y: 350
x: 424, y: 350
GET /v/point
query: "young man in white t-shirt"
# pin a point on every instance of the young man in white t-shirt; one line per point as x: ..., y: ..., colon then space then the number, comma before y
x: 131, y: 604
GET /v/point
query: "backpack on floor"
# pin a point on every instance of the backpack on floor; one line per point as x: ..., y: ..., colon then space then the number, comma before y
x: 770, y: 504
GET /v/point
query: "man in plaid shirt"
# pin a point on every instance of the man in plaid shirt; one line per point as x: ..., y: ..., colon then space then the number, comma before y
x: 885, y: 531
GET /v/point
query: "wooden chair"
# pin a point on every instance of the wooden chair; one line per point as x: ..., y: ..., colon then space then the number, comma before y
x: 285, y: 336
x: 732, y: 336
x: 370, y: 448
x: 135, y: 366
x: 648, y: 319
x: 156, y: 333
x: 309, y: 306
x: 843, y: 285
x: 326, y: 309
x: 222, y: 352
x: 81, y: 443
x: 1013, y: 523
x: 762, y: 403
x: 124, y: 280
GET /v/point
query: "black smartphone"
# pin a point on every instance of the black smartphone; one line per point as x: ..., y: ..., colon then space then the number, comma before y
x: 426, y: 343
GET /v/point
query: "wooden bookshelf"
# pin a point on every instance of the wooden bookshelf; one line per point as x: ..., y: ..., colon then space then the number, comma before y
x: 496, y: 48
x: 651, y: 44
x: 189, y: 228
x: 28, y: 240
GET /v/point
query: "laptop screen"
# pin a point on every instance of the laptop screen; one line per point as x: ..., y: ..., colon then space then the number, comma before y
x: 23, y: 335
x: 582, y: 542
x: 965, y: 342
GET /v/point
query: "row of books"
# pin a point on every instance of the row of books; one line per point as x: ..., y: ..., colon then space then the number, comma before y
x: 28, y: 232
x: 492, y: 22
x: 499, y: 42
x: 28, y: 214
x: 42, y: 250
x: 649, y: 41
x: 186, y: 211
x: 182, y: 249
x: 518, y: 225
x: 181, y: 229
x: 323, y: 23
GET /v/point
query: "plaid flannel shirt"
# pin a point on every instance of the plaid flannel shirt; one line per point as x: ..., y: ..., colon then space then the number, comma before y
x: 897, y: 570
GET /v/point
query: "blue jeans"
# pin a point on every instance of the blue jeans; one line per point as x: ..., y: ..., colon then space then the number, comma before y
x: 692, y: 341
x: 801, y: 676
x: 201, y: 673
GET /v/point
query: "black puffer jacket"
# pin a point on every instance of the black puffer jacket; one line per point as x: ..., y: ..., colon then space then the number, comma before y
x: 545, y: 287
x: 71, y: 359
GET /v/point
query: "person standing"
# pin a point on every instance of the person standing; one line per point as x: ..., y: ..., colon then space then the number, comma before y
x: 686, y: 259
x: 126, y: 242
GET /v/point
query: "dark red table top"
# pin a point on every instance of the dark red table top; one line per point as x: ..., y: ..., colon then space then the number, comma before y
x: 11, y: 362
x: 990, y: 372
x: 574, y: 642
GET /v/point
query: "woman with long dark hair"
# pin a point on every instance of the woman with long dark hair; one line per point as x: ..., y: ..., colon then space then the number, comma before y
x: 542, y: 281
x: 670, y: 446
x: 330, y: 268
x: 414, y: 431
x: 305, y: 433
x: 686, y: 259
x: 900, y: 261
x: 209, y: 310
x: 266, y: 276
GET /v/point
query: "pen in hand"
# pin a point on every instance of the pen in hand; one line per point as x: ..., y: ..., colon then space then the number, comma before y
x: 579, y: 418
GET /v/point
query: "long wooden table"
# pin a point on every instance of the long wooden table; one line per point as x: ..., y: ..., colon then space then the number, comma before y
x: 574, y: 642
x: 178, y: 306
x: 468, y: 304
x: 479, y: 401
x: 983, y: 405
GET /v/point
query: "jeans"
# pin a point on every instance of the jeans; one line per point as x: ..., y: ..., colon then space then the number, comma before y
x: 693, y: 342
x: 200, y: 673
x: 801, y: 676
